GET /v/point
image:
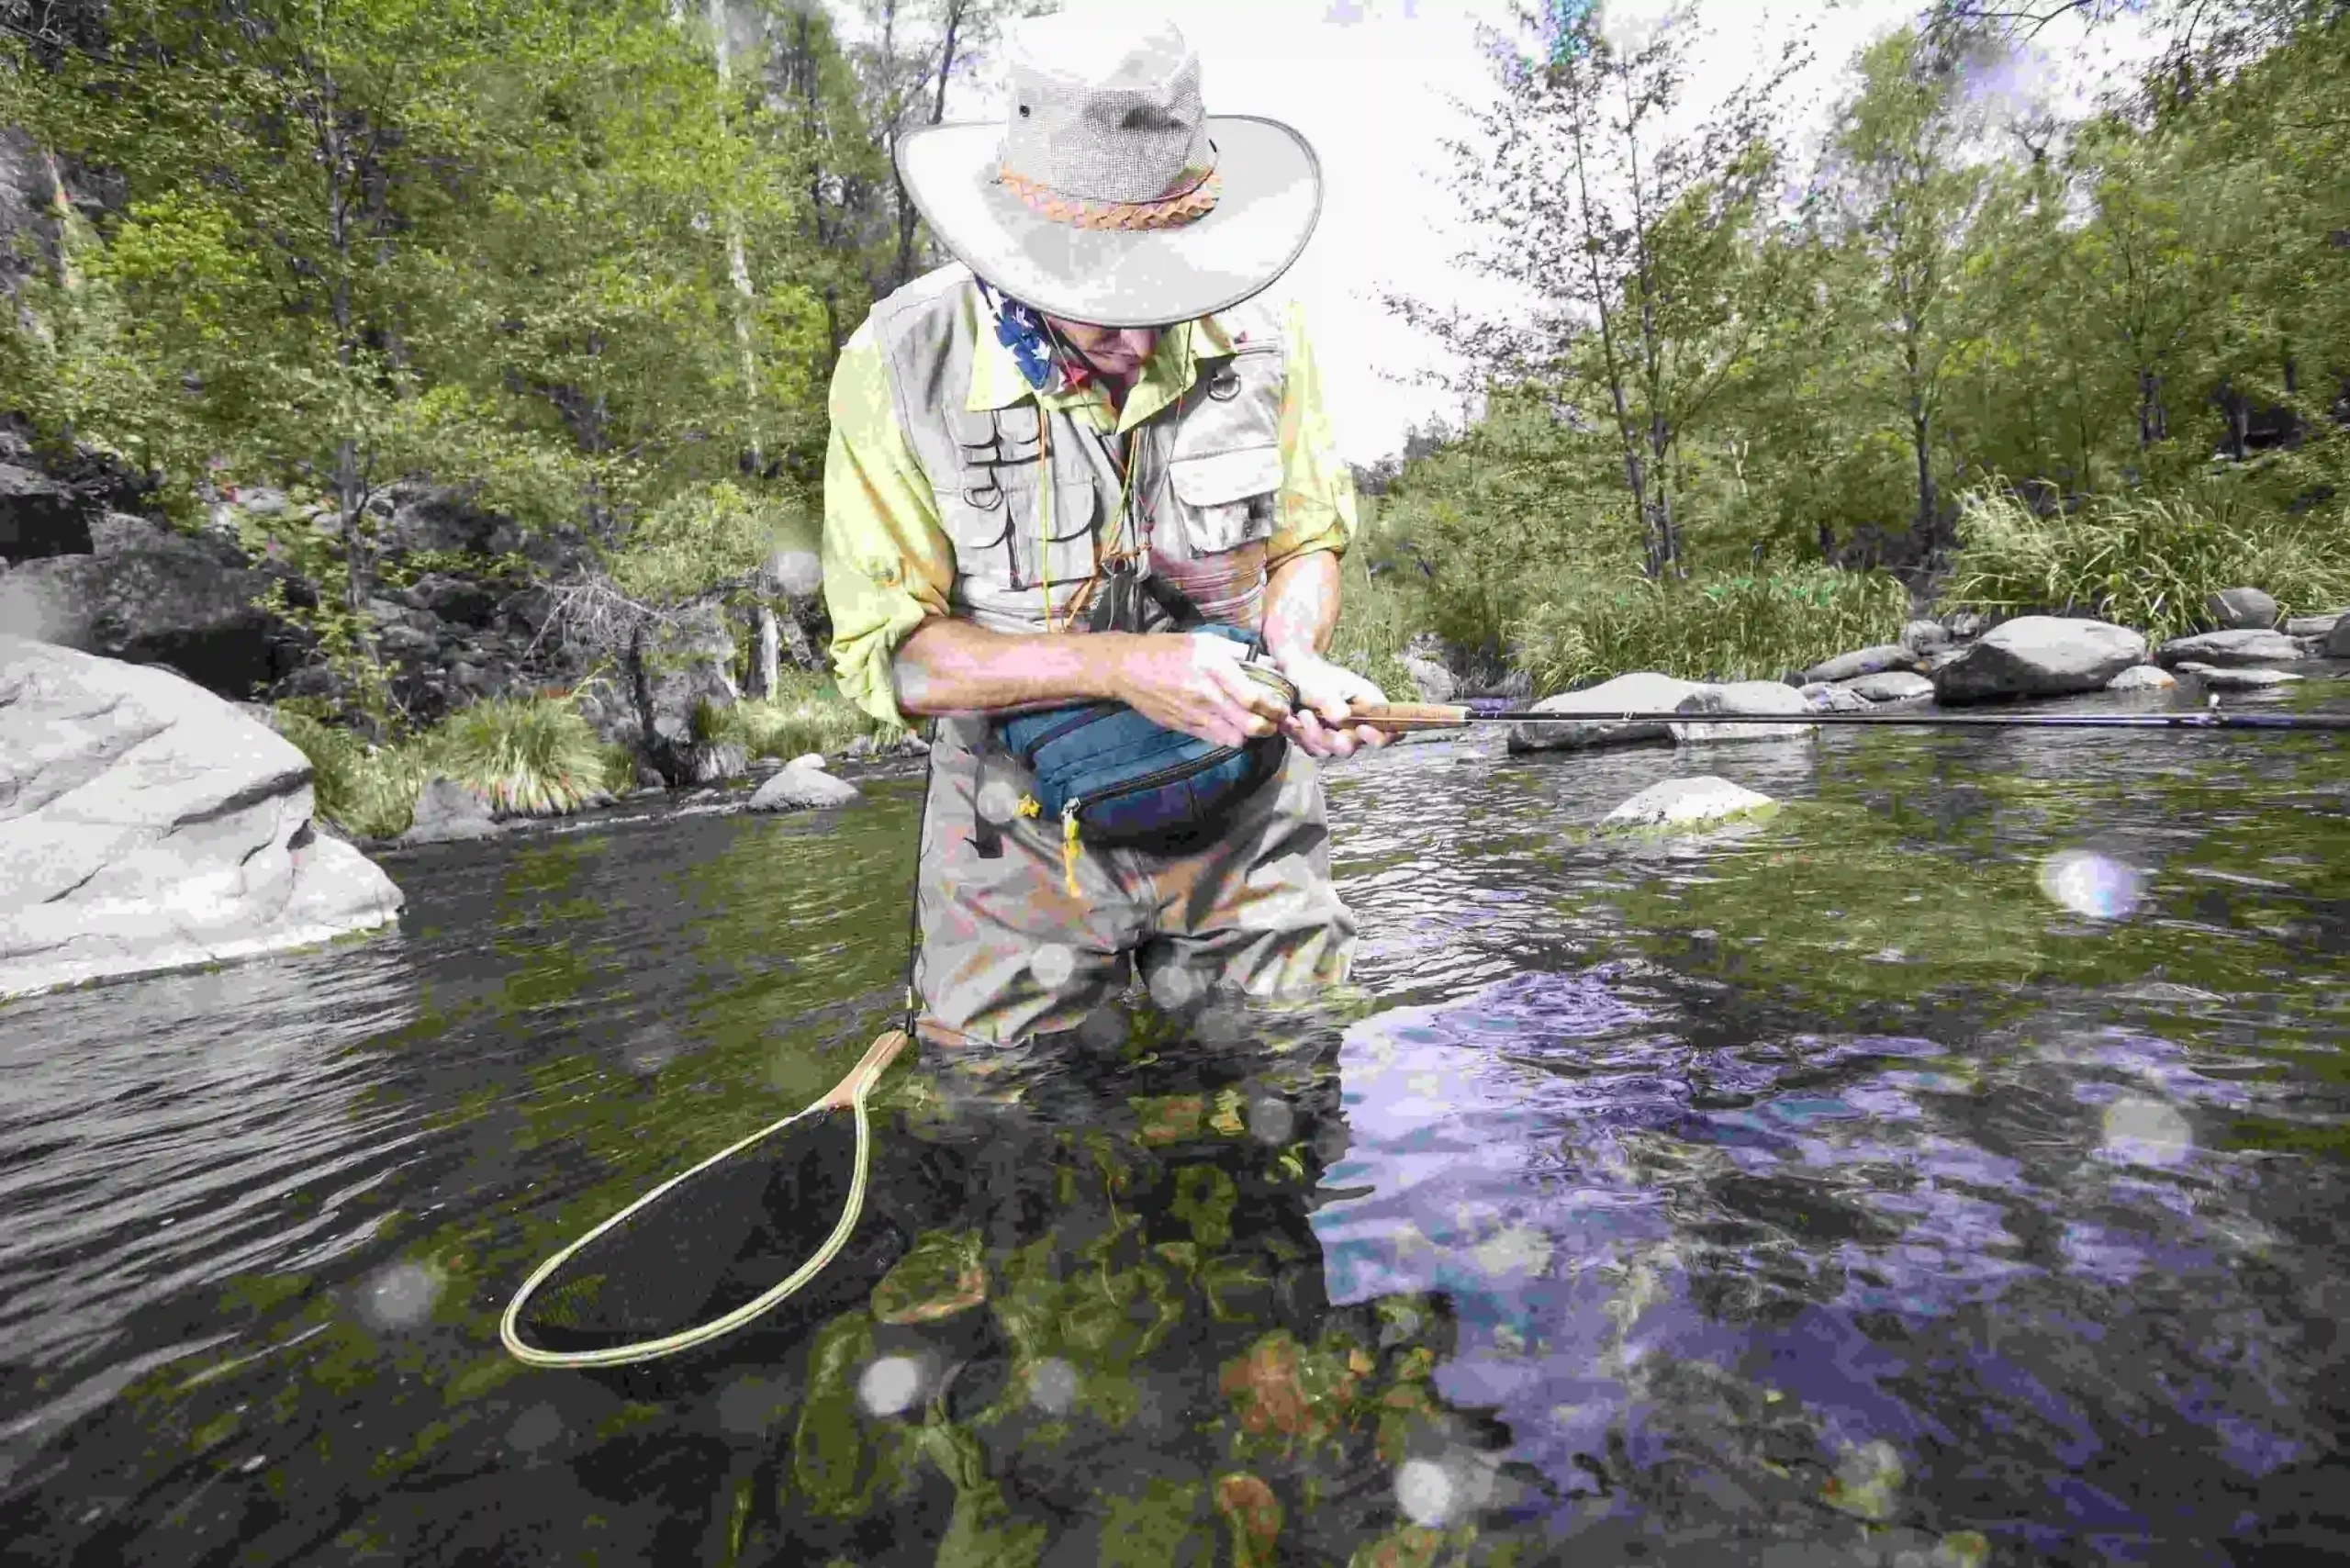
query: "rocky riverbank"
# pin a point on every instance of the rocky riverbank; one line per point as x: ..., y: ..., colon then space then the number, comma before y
x: 1960, y: 662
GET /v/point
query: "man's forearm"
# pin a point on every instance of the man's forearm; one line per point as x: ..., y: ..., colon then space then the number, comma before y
x: 1301, y: 606
x: 952, y: 666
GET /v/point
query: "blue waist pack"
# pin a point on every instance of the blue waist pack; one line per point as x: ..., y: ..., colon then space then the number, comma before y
x: 1112, y: 777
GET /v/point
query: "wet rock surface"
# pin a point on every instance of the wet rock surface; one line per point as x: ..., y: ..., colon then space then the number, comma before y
x: 146, y: 824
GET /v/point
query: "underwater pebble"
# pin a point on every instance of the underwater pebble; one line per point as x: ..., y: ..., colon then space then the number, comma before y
x: 1052, y: 1385
x: 535, y: 1428
x: 1270, y: 1120
x: 1678, y: 802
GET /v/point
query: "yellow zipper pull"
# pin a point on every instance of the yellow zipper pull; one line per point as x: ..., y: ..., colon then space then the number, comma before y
x: 1069, y: 849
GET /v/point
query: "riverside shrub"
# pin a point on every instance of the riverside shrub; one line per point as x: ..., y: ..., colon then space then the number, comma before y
x: 1713, y: 628
x: 2146, y: 562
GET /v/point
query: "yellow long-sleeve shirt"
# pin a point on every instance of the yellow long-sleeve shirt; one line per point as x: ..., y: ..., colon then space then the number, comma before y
x: 888, y: 563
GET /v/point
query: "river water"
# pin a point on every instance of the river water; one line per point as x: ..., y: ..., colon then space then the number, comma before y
x: 1944, y: 1170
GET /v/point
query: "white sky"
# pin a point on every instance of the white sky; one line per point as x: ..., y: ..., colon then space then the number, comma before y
x: 1371, y: 83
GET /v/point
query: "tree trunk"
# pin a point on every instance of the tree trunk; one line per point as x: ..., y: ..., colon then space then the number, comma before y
x: 738, y: 266
x: 2152, y: 426
x: 767, y: 645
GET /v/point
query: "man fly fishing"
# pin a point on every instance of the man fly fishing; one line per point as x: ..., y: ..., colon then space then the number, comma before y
x: 1047, y: 461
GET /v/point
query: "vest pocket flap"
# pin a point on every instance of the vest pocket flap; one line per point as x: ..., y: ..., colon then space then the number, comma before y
x: 1223, y: 477
x: 980, y: 517
x: 1076, y: 507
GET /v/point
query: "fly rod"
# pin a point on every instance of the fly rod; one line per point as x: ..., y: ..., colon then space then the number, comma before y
x: 1441, y: 716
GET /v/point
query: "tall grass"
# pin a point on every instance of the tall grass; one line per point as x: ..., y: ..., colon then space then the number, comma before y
x: 806, y: 713
x: 1718, y: 628
x: 1376, y: 617
x: 2145, y: 562
x: 533, y: 756
x: 368, y: 792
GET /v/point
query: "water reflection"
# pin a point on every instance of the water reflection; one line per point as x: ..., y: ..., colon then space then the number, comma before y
x: 1831, y: 1193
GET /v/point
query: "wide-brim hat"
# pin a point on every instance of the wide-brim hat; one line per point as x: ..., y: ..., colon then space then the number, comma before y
x: 1107, y: 193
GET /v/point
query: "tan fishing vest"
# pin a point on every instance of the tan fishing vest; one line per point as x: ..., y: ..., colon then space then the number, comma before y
x: 1207, y: 468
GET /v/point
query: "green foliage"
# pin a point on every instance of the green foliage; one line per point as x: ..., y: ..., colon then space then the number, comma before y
x: 1377, y: 616
x: 368, y: 792
x: 534, y: 756
x: 529, y: 757
x: 1719, y: 628
x: 699, y: 539
x: 2145, y: 562
x: 807, y: 714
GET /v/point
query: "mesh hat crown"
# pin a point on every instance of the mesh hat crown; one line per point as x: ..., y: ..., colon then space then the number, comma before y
x: 1107, y: 193
x: 1132, y: 134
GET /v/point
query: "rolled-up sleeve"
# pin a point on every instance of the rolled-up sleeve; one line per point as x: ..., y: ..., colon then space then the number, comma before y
x: 888, y: 562
x: 1318, y: 497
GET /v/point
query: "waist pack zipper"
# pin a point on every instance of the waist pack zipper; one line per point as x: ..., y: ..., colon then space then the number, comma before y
x: 1199, y: 764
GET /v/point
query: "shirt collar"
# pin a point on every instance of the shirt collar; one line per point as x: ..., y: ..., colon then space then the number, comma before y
x: 1167, y: 374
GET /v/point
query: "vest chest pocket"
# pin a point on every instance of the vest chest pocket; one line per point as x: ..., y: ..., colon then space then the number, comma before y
x: 1004, y: 540
x: 1225, y: 466
x: 1224, y: 500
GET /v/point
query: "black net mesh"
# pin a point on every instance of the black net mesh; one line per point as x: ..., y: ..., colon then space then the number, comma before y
x: 712, y: 1243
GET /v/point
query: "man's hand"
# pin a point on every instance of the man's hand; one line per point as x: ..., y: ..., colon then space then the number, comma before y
x: 1195, y: 684
x: 1326, y: 696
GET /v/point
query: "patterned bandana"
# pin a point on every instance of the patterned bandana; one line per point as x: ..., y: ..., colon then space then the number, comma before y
x: 1021, y: 329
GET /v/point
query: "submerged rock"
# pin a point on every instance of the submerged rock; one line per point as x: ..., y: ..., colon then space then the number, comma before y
x: 1643, y: 693
x: 2142, y: 677
x: 147, y: 824
x: 801, y: 788
x: 2230, y: 650
x: 2038, y: 655
x: 2218, y: 679
x: 1684, y: 802
x: 1892, y: 686
x: 2240, y: 609
x: 1867, y: 661
x: 1767, y: 696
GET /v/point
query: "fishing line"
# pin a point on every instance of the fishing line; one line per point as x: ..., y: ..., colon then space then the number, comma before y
x: 1439, y: 716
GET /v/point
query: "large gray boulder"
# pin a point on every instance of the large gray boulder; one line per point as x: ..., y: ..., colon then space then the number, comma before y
x: 799, y: 787
x: 1643, y: 693
x: 2337, y: 639
x: 1867, y: 661
x: 147, y: 594
x: 2038, y: 655
x: 2252, y: 649
x: 1743, y: 697
x: 2240, y: 609
x: 39, y: 516
x: 146, y: 824
x: 2319, y: 626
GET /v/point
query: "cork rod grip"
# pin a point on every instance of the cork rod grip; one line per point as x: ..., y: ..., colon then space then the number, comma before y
x: 1408, y: 715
